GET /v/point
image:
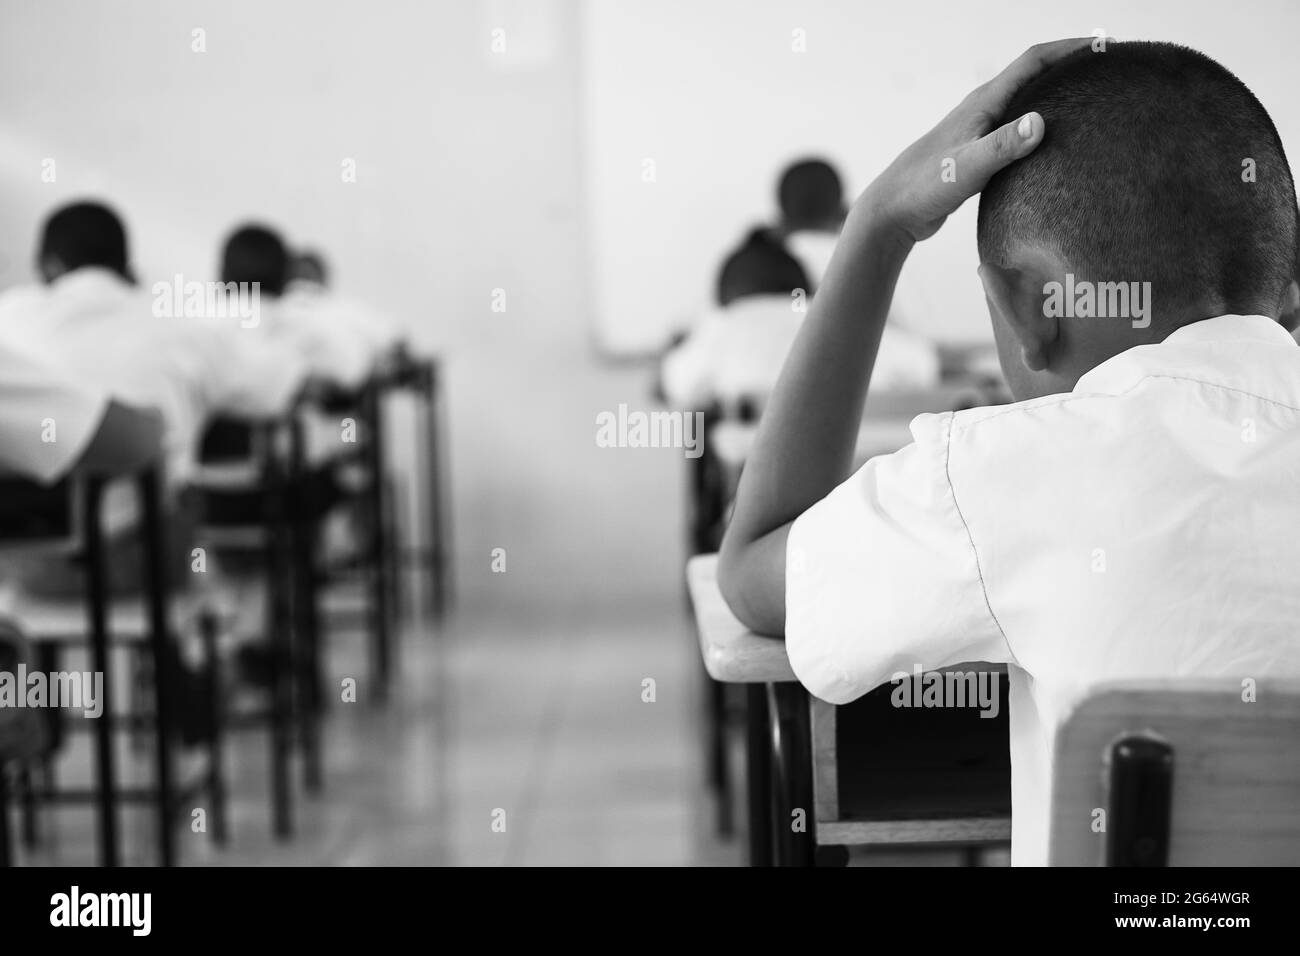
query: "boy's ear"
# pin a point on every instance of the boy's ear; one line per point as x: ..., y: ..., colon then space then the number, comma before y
x: 1289, y: 307
x: 50, y: 266
x: 1017, y: 297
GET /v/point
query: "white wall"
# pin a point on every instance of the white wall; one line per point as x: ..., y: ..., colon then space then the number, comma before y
x: 713, y: 93
x: 467, y: 178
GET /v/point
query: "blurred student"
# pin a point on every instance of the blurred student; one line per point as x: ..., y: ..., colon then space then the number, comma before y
x: 50, y: 427
x: 336, y: 355
x: 735, y: 354
x: 1133, y: 514
x: 95, y: 323
x: 299, y: 311
x: 811, y: 199
x: 308, y: 297
x: 52, y: 424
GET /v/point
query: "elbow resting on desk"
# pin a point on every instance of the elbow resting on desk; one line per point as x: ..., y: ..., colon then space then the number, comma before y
x: 751, y: 577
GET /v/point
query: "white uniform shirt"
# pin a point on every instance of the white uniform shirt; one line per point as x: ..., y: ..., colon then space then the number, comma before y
x: 737, y: 352
x: 46, y: 418
x: 103, y: 331
x: 812, y: 248
x: 340, y: 339
x: 1144, y: 525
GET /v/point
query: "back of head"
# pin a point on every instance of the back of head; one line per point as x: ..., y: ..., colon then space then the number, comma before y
x: 309, y: 266
x: 1157, y: 165
x: 255, y: 253
x: 811, y: 195
x: 80, y: 235
x: 761, y: 266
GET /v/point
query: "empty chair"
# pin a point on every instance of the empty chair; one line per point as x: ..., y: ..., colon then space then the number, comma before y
x: 1179, y: 773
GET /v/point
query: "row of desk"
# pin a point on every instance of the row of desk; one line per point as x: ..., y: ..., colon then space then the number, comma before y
x: 898, y: 782
x: 294, y: 589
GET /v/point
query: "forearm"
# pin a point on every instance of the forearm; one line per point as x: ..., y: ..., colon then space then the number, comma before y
x: 806, y: 440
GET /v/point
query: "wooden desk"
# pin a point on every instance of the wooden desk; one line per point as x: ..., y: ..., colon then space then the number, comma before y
x: 732, y: 653
x: 897, y: 792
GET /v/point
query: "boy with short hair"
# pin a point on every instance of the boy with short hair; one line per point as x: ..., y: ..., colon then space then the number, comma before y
x: 1133, y: 514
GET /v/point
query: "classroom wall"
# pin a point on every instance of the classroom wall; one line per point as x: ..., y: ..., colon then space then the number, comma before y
x: 717, y: 96
x: 466, y: 179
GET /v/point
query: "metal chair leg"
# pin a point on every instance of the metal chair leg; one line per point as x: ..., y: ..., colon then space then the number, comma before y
x: 758, y: 746
x: 156, y: 596
x: 792, y: 791
x: 217, y: 792
x: 97, y: 606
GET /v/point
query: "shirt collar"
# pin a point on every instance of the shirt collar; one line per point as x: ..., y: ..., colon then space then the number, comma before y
x: 94, y: 280
x: 1121, y: 371
x: 1233, y: 328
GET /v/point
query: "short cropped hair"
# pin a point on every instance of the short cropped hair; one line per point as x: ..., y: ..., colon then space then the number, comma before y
x: 86, y: 234
x: 309, y: 265
x: 761, y: 266
x: 1157, y: 165
x: 256, y: 253
x: 810, y: 192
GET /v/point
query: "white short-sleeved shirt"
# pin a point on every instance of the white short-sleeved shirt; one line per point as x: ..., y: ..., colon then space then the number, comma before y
x: 46, y: 418
x: 1146, y: 524
x: 340, y: 339
x: 96, y: 327
x: 737, y: 352
x: 813, y: 249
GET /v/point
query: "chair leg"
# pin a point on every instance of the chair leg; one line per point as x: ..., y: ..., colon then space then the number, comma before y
x: 27, y: 796
x: 281, y: 719
x: 164, y: 688
x: 758, y: 747
x: 438, y: 525
x: 379, y: 551
x: 97, y: 606
x: 6, y: 837
x: 792, y: 775
x: 217, y: 793
x: 307, y: 635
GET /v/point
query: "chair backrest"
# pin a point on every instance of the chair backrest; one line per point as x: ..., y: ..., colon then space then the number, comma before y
x: 1179, y: 773
x: 40, y: 516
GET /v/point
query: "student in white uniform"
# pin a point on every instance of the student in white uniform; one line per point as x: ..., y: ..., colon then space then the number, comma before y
x: 298, y: 315
x: 1134, y: 514
x: 52, y: 424
x: 811, y: 199
x: 337, y: 357
x: 93, y: 321
x: 735, y: 354
x: 308, y: 298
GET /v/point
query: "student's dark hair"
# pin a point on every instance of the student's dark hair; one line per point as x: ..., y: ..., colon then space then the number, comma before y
x: 256, y: 253
x: 810, y: 193
x: 86, y: 234
x: 1157, y: 165
x: 761, y: 266
x: 310, y: 264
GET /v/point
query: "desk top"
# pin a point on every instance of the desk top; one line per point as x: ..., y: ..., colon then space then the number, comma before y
x: 885, y: 423
x: 732, y: 653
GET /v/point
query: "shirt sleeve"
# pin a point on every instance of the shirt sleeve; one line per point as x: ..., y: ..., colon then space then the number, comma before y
x: 689, y: 371
x: 258, y: 375
x: 46, y: 419
x: 882, y: 576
